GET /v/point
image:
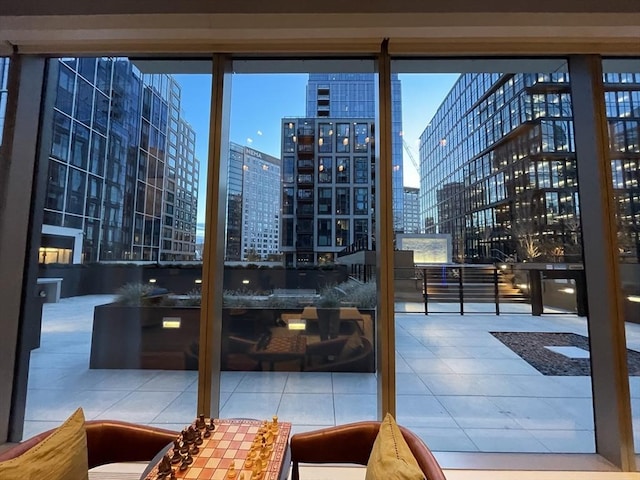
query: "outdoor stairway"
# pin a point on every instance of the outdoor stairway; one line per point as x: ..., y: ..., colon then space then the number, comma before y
x: 476, y: 283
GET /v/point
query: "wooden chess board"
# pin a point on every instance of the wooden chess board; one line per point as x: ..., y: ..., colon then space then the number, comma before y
x: 229, y: 443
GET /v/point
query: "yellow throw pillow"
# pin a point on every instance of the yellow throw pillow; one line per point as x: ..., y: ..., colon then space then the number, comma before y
x: 60, y: 456
x: 391, y: 457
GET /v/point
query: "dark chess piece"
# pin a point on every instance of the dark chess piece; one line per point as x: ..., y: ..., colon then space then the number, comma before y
x: 188, y: 436
x: 184, y: 448
x: 198, y: 439
x: 188, y: 459
x: 200, y: 422
x: 164, y: 467
x: 177, y: 456
x: 207, y: 433
x: 183, y: 466
x: 194, y: 449
x: 211, y: 426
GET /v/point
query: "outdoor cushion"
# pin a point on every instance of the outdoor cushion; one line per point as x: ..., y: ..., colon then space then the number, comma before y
x: 60, y: 456
x: 391, y: 457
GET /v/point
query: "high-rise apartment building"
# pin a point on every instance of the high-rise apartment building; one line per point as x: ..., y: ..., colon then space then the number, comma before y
x: 327, y: 187
x: 501, y: 166
x: 353, y: 95
x: 411, y: 220
x: 123, y: 177
x: 253, y: 205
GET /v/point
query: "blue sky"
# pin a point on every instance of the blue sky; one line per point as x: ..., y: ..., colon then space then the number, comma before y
x: 260, y: 101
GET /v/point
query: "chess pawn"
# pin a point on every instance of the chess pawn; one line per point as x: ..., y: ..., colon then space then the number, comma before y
x: 248, y: 462
x: 198, y: 439
x: 207, y: 433
x: 211, y: 426
x: 231, y: 473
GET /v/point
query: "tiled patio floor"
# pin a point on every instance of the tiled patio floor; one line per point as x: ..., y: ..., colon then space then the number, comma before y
x: 458, y: 387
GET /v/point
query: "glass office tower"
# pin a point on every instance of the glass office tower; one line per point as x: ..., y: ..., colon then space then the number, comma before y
x: 123, y: 177
x: 500, y: 163
x: 253, y: 205
x: 353, y: 95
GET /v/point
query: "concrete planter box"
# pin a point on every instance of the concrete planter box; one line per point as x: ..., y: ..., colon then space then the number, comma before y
x: 153, y: 337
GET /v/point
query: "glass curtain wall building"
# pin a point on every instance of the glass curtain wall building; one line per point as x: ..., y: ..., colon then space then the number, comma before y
x: 412, y: 210
x: 352, y: 95
x: 123, y: 177
x: 253, y: 205
x: 500, y: 166
x: 499, y: 169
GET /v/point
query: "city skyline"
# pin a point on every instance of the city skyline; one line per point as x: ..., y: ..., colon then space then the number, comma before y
x: 260, y: 101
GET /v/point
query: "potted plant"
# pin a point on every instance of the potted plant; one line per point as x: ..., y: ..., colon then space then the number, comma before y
x: 328, y: 307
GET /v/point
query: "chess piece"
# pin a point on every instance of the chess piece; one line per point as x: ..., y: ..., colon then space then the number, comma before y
x: 211, y: 426
x: 207, y: 433
x: 188, y: 459
x: 184, y: 448
x: 164, y: 467
x: 198, y: 439
x: 183, y: 466
x: 200, y: 422
x: 194, y: 449
x: 231, y: 473
x: 176, y: 457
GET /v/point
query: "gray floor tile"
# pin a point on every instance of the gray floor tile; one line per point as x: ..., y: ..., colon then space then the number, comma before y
x: 354, y: 408
x: 354, y: 383
x: 172, y: 380
x: 422, y: 411
x: 251, y: 405
x: 445, y: 439
x: 410, y: 383
x: 489, y: 366
x: 501, y: 440
x: 181, y: 410
x: 139, y: 407
x: 307, y: 408
x: 262, y: 382
x: 309, y: 382
x: 477, y: 412
x: 566, y: 441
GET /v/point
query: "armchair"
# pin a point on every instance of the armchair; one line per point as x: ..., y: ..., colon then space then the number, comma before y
x: 352, y: 443
x: 109, y: 441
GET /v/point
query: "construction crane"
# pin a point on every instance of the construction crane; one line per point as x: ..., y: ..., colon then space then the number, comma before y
x: 411, y: 157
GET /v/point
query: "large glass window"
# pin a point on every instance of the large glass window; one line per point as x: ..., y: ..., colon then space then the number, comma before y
x: 120, y: 334
x: 298, y: 334
x: 500, y: 361
x: 622, y: 99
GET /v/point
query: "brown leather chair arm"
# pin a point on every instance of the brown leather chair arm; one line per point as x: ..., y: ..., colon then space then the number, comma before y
x: 350, y: 443
x: 110, y: 441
